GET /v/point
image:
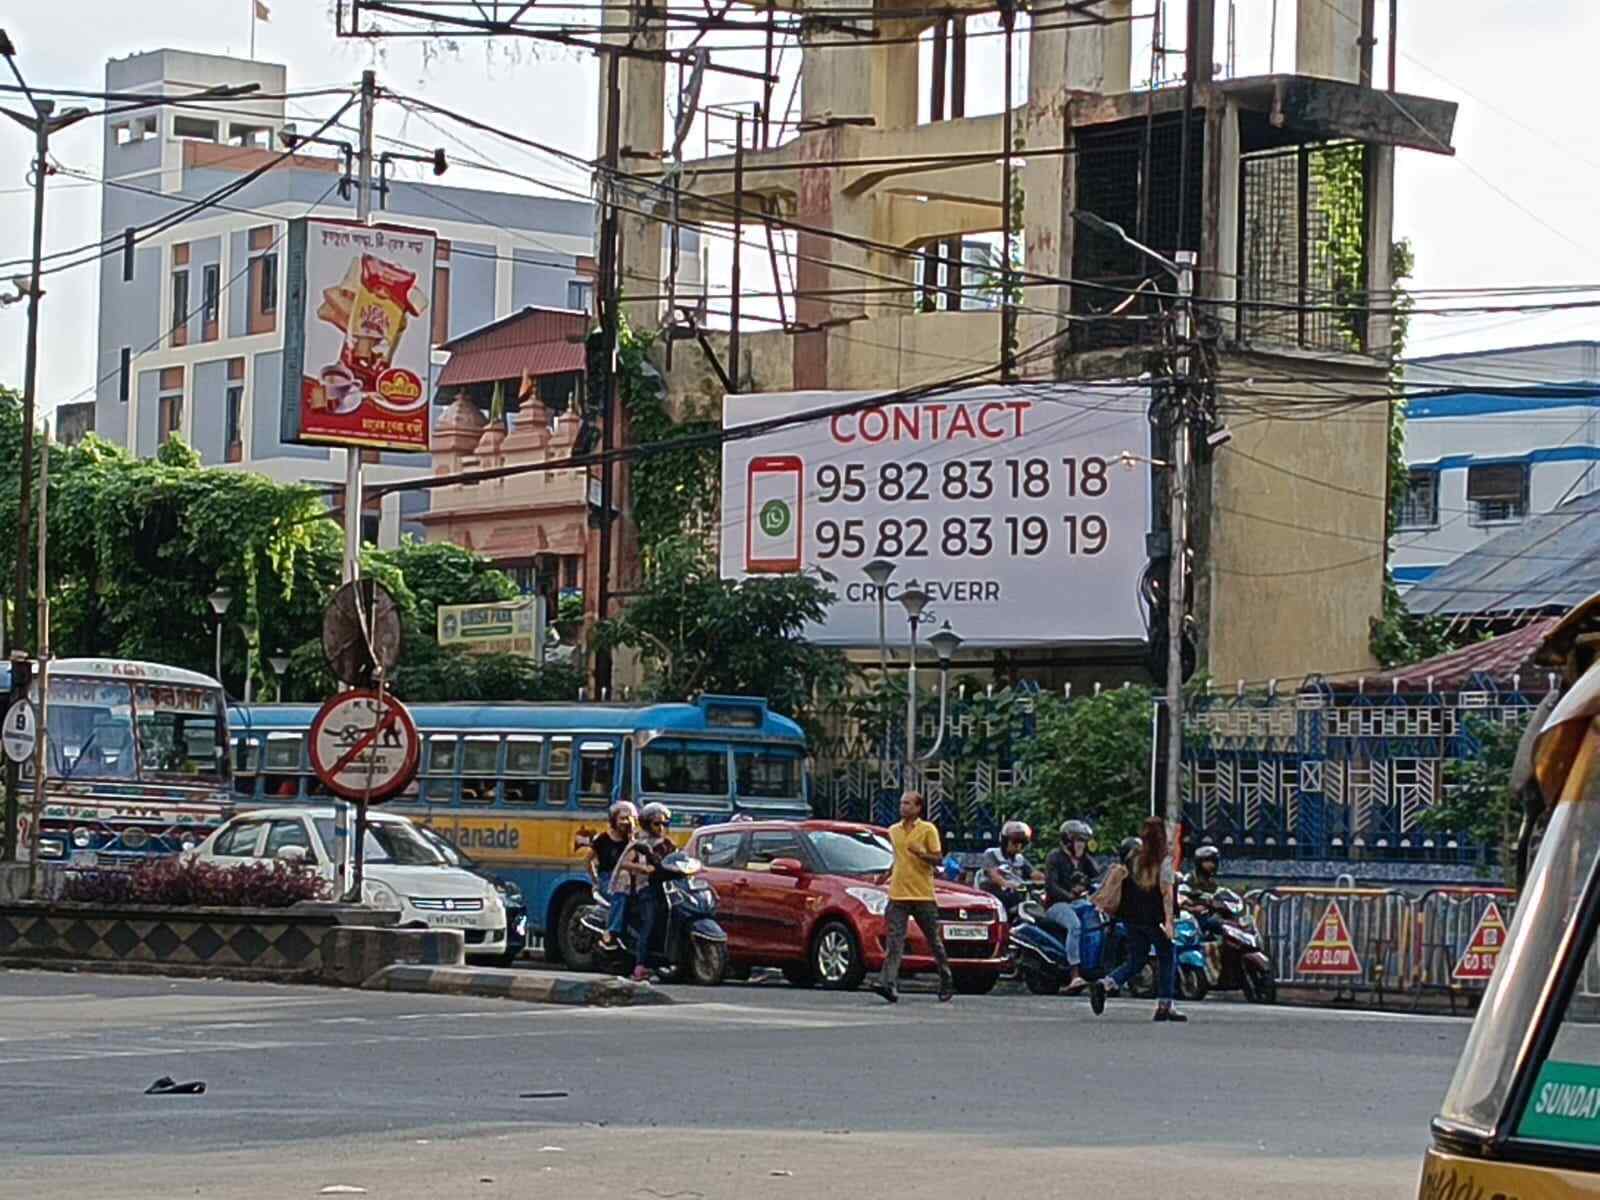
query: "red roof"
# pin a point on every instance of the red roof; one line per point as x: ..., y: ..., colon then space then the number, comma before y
x: 540, y: 341
x: 1498, y: 658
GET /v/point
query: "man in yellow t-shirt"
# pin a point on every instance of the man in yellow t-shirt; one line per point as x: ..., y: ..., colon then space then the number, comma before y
x: 916, y: 853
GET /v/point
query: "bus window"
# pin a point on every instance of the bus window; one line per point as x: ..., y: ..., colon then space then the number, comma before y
x: 597, y: 773
x: 246, y: 765
x: 283, y: 752
x: 439, y: 770
x: 558, y: 775
x: 524, y: 758
x: 480, y: 769
x: 678, y: 768
x: 768, y: 773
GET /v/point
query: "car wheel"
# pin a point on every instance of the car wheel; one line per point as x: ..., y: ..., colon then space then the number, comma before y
x: 972, y: 984
x: 572, y: 943
x: 708, y: 962
x: 798, y: 975
x: 836, y: 958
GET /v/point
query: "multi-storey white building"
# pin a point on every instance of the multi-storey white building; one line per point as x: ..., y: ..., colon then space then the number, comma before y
x: 1496, y: 435
x: 192, y: 323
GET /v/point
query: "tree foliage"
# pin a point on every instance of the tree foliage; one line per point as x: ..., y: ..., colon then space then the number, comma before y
x: 675, y: 491
x: 1089, y: 758
x: 1478, y: 800
x: 137, y: 545
x: 697, y: 632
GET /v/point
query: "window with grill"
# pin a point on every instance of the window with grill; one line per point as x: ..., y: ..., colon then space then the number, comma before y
x: 1420, y: 509
x: 1498, y: 492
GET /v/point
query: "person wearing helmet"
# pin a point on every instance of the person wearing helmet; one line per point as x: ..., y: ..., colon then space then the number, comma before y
x: 1069, y: 874
x: 636, y: 873
x: 1005, y: 867
x: 606, y: 849
x: 1203, y: 884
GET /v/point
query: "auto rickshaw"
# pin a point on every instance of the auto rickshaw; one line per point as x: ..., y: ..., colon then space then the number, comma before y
x: 1521, y: 1118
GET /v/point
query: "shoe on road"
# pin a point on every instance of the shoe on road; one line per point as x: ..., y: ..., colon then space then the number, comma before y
x: 1097, y: 997
x: 1169, y: 1014
x: 887, y: 992
x: 1077, y: 985
x: 641, y: 974
x: 947, y: 990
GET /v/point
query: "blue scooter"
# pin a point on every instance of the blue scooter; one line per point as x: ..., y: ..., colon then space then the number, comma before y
x: 1039, y: 948
x: 1191, y: 980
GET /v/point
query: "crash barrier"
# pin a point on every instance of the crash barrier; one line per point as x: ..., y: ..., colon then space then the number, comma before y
x: 1351, y: 940
x: 1460, y: 932
x: 1346, y: 939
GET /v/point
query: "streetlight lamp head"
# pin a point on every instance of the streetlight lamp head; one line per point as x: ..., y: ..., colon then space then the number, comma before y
x: 879, y: 570
x: 914, y: 599
x: 945, y: 643
x: 220, y: 599
x: 279, y: 664
x: 1098, y: 224
x: 249, y: 631
x: 76, y: 113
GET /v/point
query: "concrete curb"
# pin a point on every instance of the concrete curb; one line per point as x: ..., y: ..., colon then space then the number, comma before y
x: 589, y: 991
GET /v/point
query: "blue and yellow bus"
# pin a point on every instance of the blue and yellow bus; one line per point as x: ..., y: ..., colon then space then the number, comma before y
x: 522, y: 787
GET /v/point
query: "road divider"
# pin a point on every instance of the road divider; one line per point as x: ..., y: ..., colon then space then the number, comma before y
x: 530, y: 987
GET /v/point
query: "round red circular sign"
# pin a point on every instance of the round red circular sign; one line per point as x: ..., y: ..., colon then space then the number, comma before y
x: 364, y: 744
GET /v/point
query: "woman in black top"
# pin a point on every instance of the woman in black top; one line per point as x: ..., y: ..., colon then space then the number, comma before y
x: 605, y: 851
x: 1139, y: 892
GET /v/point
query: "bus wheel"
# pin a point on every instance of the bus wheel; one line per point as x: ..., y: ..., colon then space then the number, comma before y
x: 571, y: 943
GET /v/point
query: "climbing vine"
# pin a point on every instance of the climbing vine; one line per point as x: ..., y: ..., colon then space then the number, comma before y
x: 674, y: 491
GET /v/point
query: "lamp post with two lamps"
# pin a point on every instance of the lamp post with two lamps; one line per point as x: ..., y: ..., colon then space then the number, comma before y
x: 914, y: 599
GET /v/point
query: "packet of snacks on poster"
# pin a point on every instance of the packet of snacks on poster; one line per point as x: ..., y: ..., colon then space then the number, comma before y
x: 385, y: 298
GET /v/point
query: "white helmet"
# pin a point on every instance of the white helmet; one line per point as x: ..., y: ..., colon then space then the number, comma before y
x: 622, y: 808
x: 655, y: 812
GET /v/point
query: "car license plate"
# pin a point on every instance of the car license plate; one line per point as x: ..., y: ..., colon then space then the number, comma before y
x: 966, y: 933
x: 453, y: 920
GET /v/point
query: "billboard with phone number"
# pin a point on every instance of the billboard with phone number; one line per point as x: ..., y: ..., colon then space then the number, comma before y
x: 1014, y: 507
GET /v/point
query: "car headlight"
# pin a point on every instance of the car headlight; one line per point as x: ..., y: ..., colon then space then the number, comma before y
x: 874, y: 900
x: 377, y: 894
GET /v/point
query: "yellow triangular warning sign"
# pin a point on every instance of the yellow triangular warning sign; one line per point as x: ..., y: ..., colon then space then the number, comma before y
x: 1483, y: 948
x: 1330, y: 950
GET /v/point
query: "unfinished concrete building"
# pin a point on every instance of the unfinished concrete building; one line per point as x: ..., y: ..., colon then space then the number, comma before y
x: 1282, y: 183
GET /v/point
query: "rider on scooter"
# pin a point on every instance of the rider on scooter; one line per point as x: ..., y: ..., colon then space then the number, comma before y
x: 1069, y: 874
x: 636, y: 873
x: 1203, y: 884
x: 1004, y: 866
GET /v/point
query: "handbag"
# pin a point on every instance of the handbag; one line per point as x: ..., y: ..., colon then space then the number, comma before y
x: 1109, y: 898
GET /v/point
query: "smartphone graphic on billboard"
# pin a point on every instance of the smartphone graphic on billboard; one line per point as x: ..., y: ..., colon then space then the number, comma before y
x: 774, y: 515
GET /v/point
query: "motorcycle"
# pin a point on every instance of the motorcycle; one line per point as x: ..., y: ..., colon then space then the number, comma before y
x: 688, y: 942
x: 1237, y: 958
x: 1038, y: 946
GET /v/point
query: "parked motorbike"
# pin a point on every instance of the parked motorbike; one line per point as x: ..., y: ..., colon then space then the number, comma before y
x: 1238, y: 958
x: 1039, y: 948
x: 688, y: 942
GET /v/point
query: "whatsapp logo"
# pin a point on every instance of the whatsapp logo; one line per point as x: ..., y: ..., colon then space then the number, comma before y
x: 774, y: 518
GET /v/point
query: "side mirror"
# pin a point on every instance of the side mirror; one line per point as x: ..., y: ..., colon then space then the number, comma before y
x: 788, y: 866
x: 295, y: 855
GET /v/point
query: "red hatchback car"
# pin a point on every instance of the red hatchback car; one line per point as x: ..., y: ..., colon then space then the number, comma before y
x: 810, y: 897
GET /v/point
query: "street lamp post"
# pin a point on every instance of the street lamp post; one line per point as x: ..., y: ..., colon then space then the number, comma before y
x: 879, y: 570
x: 249, y: 631
x: 1181, y: 268
x: 279, y: 664
x: 220, y: 599
x: 914, y: 600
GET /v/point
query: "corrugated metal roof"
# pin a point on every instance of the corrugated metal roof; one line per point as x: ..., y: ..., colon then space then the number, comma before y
x: 540, y: 341
x: 1498, y: 658
x: 1547, y: 564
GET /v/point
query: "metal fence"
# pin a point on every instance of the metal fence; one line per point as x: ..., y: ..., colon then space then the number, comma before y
x: 1316, y: 774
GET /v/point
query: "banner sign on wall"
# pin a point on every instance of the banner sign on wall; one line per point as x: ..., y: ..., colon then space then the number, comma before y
x: 1012, y: 506
x: 356, y: 353
x: 508, y: 627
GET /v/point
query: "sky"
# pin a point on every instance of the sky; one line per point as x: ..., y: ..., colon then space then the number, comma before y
x: 1513, y: 206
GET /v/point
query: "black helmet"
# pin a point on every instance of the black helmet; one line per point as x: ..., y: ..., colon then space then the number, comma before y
x: 1077, y: 829
x: 1130, y: 846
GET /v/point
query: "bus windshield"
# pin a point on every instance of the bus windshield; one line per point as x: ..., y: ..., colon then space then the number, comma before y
x: 112, y: 729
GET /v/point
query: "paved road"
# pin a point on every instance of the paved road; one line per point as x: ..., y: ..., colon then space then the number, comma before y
x: 413, y: 1095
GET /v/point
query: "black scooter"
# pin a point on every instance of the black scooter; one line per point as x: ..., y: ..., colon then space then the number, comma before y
x: 688, y: 943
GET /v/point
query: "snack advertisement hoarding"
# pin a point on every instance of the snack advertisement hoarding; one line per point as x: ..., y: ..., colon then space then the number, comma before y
x: 356, y: 352
x: 1022, y: 510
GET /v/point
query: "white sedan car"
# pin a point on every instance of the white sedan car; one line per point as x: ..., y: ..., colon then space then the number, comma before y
x: 401, y: 869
